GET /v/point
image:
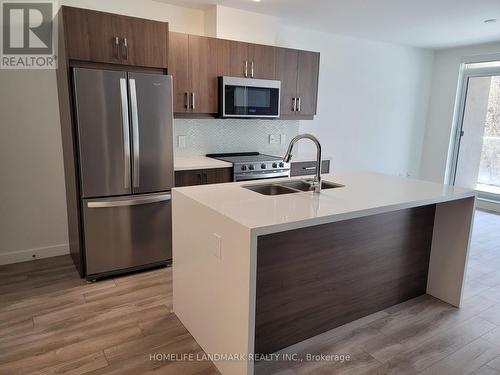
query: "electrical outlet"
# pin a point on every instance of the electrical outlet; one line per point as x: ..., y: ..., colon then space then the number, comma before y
x: 273, y: 139
x: 217, y: 246
x: 181, y: 141
x: 282, y: 139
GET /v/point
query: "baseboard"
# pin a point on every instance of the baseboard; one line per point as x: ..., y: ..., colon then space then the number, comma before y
x: 32, y: 254
x: 487, y: 204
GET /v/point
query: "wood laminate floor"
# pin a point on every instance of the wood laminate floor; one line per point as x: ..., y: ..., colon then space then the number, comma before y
x: 52, y: 322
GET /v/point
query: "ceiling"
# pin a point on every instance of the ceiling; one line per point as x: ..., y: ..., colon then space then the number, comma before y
x: 419, y: 23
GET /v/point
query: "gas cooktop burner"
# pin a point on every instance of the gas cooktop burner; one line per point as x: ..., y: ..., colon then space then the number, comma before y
x: 253, y: 165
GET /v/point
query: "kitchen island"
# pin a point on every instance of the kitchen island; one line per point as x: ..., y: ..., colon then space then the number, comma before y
x: 255, y: 273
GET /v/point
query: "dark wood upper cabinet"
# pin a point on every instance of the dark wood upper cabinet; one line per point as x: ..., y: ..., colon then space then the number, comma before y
x: 193, y: 66
x: 178, y: 57
x: 287, y: 61
x: 307, y: 82
x: 238, y: 59
x: 110, y: 38
x: 262, y: 61
x: 298, y: 72
x: 224, y: 57
x: 147, y: 42
x: 246, y: 60
x: 91, y: 36
x: 203, y: 74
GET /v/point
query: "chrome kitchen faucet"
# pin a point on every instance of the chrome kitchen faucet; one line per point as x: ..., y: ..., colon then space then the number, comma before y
x: 316, y: 181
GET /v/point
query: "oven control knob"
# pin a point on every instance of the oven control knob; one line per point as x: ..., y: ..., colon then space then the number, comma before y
x: 263, y: 166
x: 250, y: 167
x: 282, y: 165
x: 243, y: 167
x: 275, y: 165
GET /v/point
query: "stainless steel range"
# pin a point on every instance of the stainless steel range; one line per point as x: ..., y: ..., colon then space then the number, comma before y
x: 254, y: 166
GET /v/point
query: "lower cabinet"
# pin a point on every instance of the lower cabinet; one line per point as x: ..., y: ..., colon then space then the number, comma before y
x: 306, y: 168
x: 203, y: 176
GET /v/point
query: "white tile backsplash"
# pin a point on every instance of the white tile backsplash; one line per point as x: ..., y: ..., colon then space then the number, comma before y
x: 204, y: 136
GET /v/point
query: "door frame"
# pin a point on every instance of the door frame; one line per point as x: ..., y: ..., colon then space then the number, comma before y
x: 466, y: 72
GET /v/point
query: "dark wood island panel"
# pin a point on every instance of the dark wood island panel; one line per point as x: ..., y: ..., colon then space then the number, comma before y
x: 313, y: 279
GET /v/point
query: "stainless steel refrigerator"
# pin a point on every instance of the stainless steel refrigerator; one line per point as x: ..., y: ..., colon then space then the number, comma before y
x: 125, y: 161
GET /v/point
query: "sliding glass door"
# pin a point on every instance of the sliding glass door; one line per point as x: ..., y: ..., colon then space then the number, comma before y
x: 477, y: 163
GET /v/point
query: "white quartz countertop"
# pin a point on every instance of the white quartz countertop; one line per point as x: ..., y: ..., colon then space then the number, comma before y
x: 363, y: 194
x: 183, y: 163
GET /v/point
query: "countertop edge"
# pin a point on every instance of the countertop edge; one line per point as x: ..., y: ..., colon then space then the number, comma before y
x: 282, y: 227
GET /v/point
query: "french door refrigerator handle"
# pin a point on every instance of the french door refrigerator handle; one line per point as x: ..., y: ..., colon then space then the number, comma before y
x: 126, y: 133
x: 129, y: 202
x: 135, y: 133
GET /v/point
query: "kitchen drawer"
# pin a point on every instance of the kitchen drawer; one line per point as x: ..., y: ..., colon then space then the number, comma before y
x: 306, y: 168
x: 203, y: 176
x: 123, y: 233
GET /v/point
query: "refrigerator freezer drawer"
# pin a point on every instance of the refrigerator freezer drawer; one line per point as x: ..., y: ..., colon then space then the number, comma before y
x: 127, y: 232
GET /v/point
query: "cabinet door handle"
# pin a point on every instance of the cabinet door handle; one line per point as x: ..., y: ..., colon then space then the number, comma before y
x: 125, y: 44
x: 117, y: 48
x: 246, y: 68
x: 193, y: 105
x: 186, y: 100
x: 294, y: 104
x: 252, y: 70
x: 309, y: 168
x: 298, y: 104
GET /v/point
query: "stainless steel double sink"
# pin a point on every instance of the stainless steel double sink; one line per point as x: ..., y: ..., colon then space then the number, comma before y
x: 288, y: 187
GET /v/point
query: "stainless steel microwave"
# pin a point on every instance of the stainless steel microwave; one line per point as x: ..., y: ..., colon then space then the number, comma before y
x: 248, y: 97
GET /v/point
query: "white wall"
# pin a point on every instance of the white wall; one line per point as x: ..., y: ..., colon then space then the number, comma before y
x: 32, y: 193
x: 246, y: 26
x: 441, y: 107
x: 372, y: 96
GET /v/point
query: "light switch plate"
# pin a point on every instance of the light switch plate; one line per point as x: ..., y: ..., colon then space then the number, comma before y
x: 181, y: 141
x: 217, y: 246
x: 273, y: 139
